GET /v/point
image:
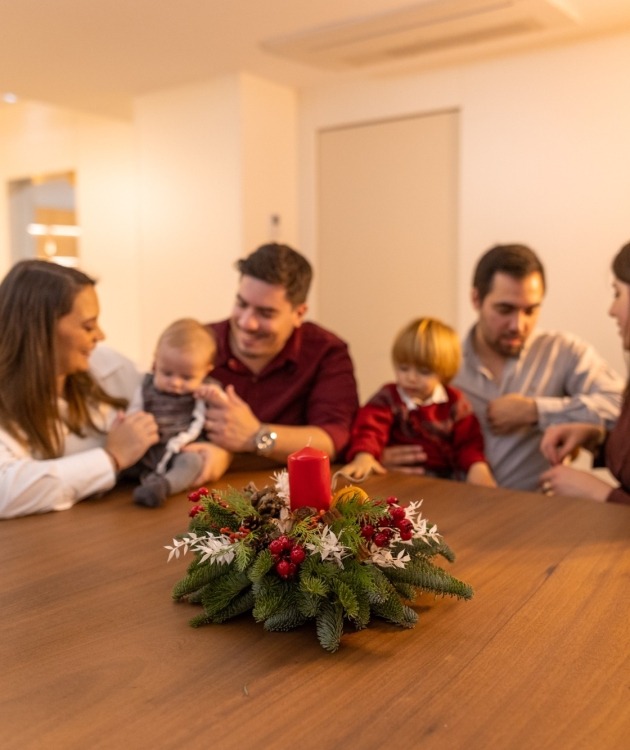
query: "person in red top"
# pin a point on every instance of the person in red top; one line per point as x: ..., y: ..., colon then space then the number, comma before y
x: 420, y: 408
x: 288, y: 383
x: 610, y: 448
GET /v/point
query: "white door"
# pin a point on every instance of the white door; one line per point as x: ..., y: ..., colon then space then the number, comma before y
x: 387, y: 231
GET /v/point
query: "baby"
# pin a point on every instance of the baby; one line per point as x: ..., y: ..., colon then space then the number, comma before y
x: 421, y: 409
x: 184, y: 357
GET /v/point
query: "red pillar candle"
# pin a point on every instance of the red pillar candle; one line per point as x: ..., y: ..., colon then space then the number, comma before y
x: 309, y: 479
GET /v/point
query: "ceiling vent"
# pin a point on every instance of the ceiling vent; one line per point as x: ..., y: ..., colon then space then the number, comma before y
x: 433, y: 26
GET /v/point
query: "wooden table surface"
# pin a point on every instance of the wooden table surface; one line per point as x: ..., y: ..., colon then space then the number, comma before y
x: 95, y: 654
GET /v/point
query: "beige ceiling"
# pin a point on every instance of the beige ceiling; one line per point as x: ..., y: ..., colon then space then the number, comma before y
x: 96, y: 55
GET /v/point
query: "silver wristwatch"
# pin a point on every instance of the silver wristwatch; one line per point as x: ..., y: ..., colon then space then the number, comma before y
x: 265, y: 440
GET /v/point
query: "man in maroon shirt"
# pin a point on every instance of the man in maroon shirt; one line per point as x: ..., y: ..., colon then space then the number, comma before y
x: 288, y: 383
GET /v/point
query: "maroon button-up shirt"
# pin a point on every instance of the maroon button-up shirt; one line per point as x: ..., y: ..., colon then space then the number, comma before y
x: 310, y: 382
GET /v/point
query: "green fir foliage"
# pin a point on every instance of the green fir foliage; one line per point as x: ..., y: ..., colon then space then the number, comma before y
x: 198, y: 576
x: 270, y: 594
x: 261, y: 566
x: 241, y: 603
x: 349, y: 588
x: 238, y: 503
x: 428, y: 577
x: 243, y: 554
x: 286, y: 619
x: 218, y: 595
x: 329, y: 624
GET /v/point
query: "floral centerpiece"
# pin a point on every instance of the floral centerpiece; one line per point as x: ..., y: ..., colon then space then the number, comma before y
x: 354, y: 558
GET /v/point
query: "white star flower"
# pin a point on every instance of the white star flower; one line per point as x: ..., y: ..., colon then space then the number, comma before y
x: 421, y: 528
x: 383, y: 557
x: 281, y: 481
x: 329, y: 546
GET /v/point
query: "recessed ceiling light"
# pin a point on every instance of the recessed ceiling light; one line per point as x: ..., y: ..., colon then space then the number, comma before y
x: 9, y: 98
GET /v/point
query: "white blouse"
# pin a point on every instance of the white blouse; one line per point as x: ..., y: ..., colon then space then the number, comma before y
x: 29, y: 485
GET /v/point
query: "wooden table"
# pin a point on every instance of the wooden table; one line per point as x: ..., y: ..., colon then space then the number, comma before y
x: 95, y: 654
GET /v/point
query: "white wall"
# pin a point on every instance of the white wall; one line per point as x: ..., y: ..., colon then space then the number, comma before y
x: 170, y: 200
x: 38, y: 139
x: 545, y: 160
x: 269, y: 126
x: 190, y: 203
x: 215, y: 161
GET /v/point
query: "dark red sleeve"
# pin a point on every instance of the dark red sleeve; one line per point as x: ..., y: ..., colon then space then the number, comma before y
x: 333, y: 400
x: 619, y: 495
x: 370, y: 432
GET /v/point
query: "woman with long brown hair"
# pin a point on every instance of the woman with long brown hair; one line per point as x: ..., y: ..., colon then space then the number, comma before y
x: 63, y: 436
x: 610, y: 449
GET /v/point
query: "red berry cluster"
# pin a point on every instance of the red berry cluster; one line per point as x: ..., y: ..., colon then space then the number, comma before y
x: 382, y: 532
x: 194, y: 497
x: 287, y: 555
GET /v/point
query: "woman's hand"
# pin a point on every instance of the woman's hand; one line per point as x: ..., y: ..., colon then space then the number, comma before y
x: 561, y: 440
x: 130, y: 436
x: 563, y: 480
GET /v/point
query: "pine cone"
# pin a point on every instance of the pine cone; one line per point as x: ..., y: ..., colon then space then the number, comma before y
x: 304, y: 512
x: 266, y: 501
x: 270, y: 505
x: 251, y: 522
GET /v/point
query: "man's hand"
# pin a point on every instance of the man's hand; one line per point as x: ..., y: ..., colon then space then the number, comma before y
x: 216, y: 461
x: 404, y: 458
x: 230, y: 423
x: 511, y: 412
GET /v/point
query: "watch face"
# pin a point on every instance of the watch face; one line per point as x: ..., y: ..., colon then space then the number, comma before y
x: 266, y: 442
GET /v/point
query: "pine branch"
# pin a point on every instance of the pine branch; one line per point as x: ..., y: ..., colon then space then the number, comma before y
x: 355, y: 508
x: 424, y: 575
x: 262, y: 564
x: 287, y: 619
x: 410, y: 617
x: 243, y: 555
x: 393, y: 610
x: 446, y: 552
x: 197, y: 578
x: 313, y: 584
x: 219, y: 595
x: 381, y: 588
x: 329, y: 625
x: 239, y: 503
x: 405, y: 590
x: 239, y: 605
x: 269, y: 594
x: 430, y: 548
x: 198, y: 620
x: 364, y: 612
x: 309, y: 603
x: 347, y: 598
x: 218, y: 517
